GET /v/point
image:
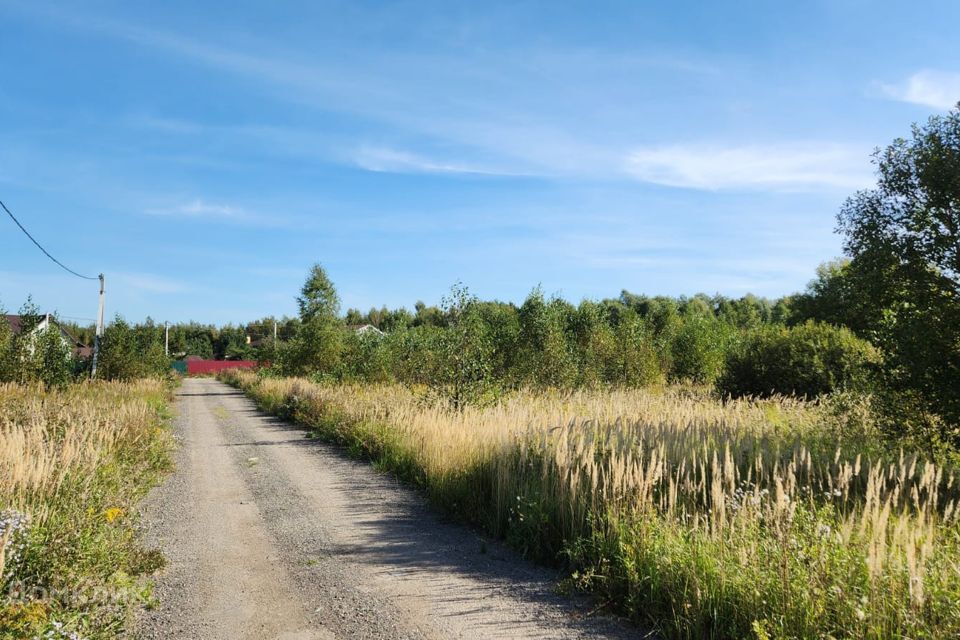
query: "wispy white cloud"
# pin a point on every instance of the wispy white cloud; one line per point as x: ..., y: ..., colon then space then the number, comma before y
x: 274, y: 213
x: 390, y: 160
x: 502, y: 112
x: 929, y: 88
x: 198, y: 208
x: 511, y: 113
x: 780, y: 166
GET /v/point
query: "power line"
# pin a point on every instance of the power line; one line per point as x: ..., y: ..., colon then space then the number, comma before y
x: 45, y: 252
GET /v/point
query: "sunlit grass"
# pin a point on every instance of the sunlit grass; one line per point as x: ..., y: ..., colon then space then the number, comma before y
x: 746, y: 518
x: 72, y: 465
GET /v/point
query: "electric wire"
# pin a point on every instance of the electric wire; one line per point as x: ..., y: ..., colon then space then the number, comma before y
x: 39, y: 246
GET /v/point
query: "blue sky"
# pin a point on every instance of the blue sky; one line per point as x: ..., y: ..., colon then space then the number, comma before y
x: 203, y: 155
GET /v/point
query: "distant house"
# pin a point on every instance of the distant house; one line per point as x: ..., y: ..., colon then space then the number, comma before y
x: 365, y: 329
x: 77, y: 348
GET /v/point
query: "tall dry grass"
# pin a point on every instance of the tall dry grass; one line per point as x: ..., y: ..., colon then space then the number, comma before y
x: 73, y: 463
x: 744, y: 518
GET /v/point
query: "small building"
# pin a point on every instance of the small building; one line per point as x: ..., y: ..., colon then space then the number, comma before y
x: 77, y: 348
x: 365, y: 329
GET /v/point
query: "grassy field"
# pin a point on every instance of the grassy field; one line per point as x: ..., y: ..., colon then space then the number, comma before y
x: 747, y: 518
x: 73, y: 464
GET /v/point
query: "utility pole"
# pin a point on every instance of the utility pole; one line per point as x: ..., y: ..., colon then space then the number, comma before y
x: 99, y: 333
x: 166, y: 339
x: 274, y: 332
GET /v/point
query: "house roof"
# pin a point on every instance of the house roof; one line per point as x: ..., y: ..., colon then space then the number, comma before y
x: 364, y: 328
x: 15, y: 322
x: 76, y: 343
x: 16, y: 325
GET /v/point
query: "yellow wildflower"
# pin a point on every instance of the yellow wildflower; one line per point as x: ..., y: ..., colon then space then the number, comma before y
x: 112, y: 513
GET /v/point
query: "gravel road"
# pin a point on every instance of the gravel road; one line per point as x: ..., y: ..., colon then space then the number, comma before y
x: 269, y: 534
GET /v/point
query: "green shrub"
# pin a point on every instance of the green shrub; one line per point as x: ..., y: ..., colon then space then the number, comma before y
x: 365, y: 357
x: 635, y: 360
x: 129, y: 352
x: 315, y: 349
x: 50, y: 358
x: 807, y: 360
x: 414, y: 353
x: 698, y: 349
x: 545, y: 357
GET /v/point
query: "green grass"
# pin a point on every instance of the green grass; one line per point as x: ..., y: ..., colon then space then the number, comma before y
x: 77, y: 462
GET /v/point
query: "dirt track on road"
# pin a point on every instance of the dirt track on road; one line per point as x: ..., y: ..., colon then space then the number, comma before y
x: 269, y: 534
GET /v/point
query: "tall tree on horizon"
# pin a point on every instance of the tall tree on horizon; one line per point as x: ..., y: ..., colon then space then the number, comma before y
x: 318, y: 297
x: 317, y: 346
x: 904, y: 240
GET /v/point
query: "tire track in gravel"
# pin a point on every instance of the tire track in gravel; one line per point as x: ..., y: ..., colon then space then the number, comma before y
x: 269, y: 534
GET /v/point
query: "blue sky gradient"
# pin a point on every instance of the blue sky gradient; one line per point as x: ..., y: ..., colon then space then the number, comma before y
x: 203, y: 155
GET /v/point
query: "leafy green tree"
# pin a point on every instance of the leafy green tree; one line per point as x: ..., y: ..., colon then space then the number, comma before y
x: 636, y: 361
x: 428, y: 316
x: 395, y: 320
x: 192, y: 339
x: 366, y: 357
x: 503, y: 331
x: 118, y: 355
x: 747, y: 312
x: 663, y: 315
x: 34, y: 355
x: 266, y: 352
x: 836, y: 296
x: 354, y: 317
x: 23, y: 352
x: 904, y: 240
x: 544, y: 355
x: 415, y: 355
x: 317, y: 347
x: 318, y: 297
x: 22, y: 343
x: 230, y: 343
x: 698, y: 348
x: 129, y: 352
x: 781, y: 312
x: 51, y: 357
x: 466, y: 349
x: 595, y: 343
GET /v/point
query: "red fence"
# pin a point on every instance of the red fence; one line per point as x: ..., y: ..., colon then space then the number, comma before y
x: 195, y: 367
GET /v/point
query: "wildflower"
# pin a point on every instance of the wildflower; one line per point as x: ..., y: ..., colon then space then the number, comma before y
x: 14, y: 526
x: 57, y: 632
x: 112, y: 513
